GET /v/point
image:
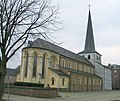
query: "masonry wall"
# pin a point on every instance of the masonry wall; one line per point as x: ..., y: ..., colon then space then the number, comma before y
x: 55, y: 61
x: 106, y: 74
x: 108, y: 79
x: 34, y: 92
x: 85, y: 83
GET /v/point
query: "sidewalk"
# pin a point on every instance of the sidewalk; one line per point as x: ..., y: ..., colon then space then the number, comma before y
x: 72, y: 96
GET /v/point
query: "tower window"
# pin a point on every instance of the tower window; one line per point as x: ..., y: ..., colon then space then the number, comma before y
x: 99, y: 58
x: 88, y: 56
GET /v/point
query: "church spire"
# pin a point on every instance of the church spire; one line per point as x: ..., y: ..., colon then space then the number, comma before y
x: 89, y: 42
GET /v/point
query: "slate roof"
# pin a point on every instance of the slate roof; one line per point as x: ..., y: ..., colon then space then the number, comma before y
x: 18, y: 69
x: 89, y: 42
x: 58, y: 72
x: 79, y: 72
x: 10, y: 72
x: 114, y: 66
x: 40, y: 43
x: 88, y: 51
x: 107, y: 67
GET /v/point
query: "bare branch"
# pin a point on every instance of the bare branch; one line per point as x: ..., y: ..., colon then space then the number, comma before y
x: 25, y: 38
x: 20, y: 18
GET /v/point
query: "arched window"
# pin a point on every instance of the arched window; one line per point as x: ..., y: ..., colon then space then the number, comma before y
x: 63, y: 81
x: 63, y: 64
x: 75, y: 66
x: 69, y: 65
x: 35, y: 65
x: 53, y: 80
x: 26, y: 65
x: 88, y: 56
x: 43, y: 66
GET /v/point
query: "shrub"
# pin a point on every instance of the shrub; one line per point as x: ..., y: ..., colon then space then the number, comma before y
x: 28, y: 84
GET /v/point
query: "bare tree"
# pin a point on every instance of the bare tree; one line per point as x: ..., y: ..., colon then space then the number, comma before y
x: 19, y: 21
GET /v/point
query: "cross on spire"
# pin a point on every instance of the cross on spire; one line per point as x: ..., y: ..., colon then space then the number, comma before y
x: 89, y: 6
x: 89, y: 42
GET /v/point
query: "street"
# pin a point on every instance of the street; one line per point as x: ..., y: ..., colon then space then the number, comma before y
x: 72, y: 96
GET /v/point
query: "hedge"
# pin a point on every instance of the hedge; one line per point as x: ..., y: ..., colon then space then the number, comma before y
x: 28, y: 84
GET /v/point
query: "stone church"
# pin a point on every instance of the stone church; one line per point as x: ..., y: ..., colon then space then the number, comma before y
x: 47, y: 63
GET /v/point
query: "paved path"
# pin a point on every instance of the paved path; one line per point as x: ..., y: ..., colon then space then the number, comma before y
x: 72, y: 96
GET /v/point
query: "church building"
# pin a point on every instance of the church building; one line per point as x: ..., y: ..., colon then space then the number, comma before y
x: 50, y: 64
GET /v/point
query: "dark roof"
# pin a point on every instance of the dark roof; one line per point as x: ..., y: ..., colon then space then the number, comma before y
x: 18, y: 69
x: 107, y: 67
x: 89, y: 42
x: 79, y: 72
x: 83, y: 52
x: 40, y: 43
x: 58, y: 72
x: 10, y: 72
x: 114, y: 66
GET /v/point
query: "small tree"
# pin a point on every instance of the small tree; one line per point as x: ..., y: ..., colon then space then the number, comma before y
x: 19, y: 21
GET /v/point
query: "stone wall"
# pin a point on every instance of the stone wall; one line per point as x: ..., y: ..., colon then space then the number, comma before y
x: 34, y: 92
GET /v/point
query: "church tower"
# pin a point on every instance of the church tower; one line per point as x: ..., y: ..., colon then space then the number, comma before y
x: 89, y: 49
x: 94, y: 57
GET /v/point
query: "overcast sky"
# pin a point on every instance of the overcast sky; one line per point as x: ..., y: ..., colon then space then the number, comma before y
x: 106, y: 26
x: 105, y: 16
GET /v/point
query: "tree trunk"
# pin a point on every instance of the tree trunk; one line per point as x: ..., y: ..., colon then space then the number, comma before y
x: 1, y: 85
x: 2, y: 75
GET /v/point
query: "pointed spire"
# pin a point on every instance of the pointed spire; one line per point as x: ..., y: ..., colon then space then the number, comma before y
x: 89, y: 42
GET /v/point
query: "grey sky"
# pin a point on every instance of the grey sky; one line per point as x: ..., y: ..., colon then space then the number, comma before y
x: 106, y: 26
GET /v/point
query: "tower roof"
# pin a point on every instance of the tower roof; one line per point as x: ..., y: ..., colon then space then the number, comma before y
x: 89, y: 42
